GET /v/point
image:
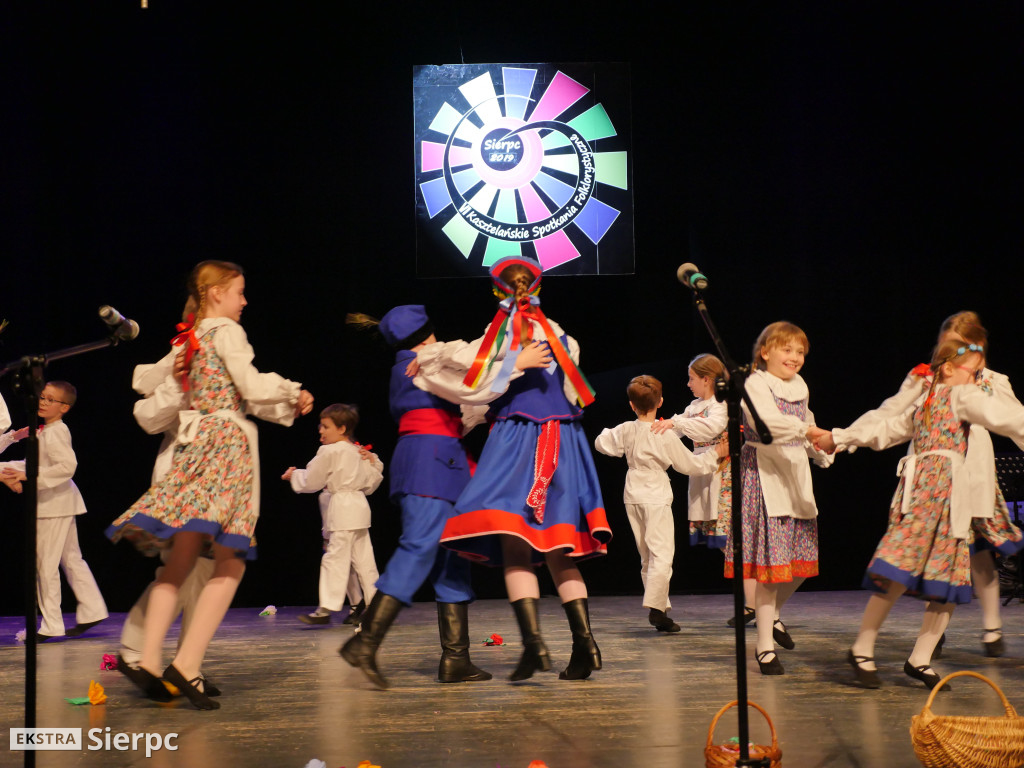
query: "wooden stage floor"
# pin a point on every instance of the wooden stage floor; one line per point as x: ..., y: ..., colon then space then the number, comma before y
x: 289, y: 698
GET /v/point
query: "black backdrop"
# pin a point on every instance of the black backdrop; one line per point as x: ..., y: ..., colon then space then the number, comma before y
x: 854, y: 169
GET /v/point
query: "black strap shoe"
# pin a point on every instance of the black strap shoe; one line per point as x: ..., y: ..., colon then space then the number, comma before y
x: 868, y: 678
x: 925, y: 674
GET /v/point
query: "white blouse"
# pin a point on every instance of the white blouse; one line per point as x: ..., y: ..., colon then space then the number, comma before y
x: 349, y: 479
x: 782, y: 465
x: 648, y: 456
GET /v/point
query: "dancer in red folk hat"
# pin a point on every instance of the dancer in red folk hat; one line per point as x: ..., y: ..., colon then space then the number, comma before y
x: 535, y: 496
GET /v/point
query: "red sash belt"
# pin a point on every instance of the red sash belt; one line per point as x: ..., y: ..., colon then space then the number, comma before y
x: 544, y: 465
x: 430, y: 421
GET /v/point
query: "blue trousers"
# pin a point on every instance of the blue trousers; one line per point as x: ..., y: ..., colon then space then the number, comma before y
x: 420, y: 556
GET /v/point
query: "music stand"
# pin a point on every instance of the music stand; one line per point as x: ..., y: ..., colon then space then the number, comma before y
x: 1010, y: 475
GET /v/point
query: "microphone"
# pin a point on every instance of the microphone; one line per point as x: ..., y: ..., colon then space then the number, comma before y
x: 689, y: 275
x: 121, y: 328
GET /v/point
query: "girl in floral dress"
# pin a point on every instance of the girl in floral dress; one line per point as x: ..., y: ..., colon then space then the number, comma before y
x: 925, y: 551
x: 780, y: 532
x: 994, y: 531
x: 210, y: 497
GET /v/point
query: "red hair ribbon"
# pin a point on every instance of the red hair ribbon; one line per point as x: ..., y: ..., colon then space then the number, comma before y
x: 923, y: 370
x: 187, y: 336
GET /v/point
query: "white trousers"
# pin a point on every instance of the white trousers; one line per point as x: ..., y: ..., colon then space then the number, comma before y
x: 345, y: 551
x: 655, y: 533
x: 132, y: 633
x: 57, y: 547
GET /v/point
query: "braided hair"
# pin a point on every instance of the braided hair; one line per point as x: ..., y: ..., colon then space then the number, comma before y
x: 946, y: 352
x: 205, y: 275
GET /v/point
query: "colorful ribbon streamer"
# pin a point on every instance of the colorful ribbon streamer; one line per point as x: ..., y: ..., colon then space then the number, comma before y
x: 527, y: 308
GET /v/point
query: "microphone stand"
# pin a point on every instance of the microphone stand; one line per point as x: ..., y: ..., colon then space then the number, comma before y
x: 28, y: 381
x: 733, y: 391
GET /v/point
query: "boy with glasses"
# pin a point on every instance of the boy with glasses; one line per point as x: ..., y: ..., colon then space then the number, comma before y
x: 59, y: 502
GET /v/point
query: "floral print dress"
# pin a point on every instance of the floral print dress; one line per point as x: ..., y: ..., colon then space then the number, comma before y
x: 918, y: 549
x: 210, y: 485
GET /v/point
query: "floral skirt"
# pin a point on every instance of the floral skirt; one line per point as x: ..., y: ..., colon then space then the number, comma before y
x: 775, y: 549
x: 208, y: 490
x: 918, y: 549
x: 997, y: 533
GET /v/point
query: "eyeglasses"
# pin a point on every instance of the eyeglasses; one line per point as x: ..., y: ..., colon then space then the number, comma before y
x: 46, y: 400
x: 970, y: 348
x: 976, y: 373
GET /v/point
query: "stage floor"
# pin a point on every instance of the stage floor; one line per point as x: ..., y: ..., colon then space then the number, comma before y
x: 289, y: 698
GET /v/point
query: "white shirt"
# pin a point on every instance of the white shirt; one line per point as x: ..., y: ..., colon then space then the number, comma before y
x: 58, y: 494
x: 347, y: 477
x: 871, y: 431
x: 782, y: 465
x: 648, y: 456
x: 969, y: 403
x: 700, y: 427
x: 703, y: 421
x: 444, y: 365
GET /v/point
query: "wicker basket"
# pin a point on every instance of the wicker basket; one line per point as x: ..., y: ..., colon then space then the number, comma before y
x: 726, y: 755
x: 952, y: 741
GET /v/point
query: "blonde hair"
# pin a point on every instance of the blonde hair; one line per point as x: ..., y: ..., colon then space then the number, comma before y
x: 967, y: 325
x: 205, y: 275
x: 707, y: 365
x: 67, y: 391
x: 644, y: 392
x: 775, y: 335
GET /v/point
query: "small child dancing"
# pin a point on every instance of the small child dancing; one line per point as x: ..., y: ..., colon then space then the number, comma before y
x: 709, y: 499
x: 339, y: 468
x: 780, y: 528
x: 648, y: 494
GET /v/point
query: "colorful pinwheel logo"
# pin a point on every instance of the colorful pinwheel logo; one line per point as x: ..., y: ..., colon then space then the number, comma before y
x: 515, y: 168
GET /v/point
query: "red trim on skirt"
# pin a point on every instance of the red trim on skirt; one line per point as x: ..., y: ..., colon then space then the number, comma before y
x: 486, y: 522
x: 775, y: 574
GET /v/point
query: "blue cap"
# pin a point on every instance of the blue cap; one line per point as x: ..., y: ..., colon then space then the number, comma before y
x: 406, y: 326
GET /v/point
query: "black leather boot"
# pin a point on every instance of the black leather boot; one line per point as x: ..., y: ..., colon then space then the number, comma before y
x: 361, y: 649
x: 586, y: 656
x: 535, y: 654
x: 453, y: 627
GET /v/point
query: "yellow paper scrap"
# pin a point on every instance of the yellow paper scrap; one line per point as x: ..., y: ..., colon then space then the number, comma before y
x: 96, y: 694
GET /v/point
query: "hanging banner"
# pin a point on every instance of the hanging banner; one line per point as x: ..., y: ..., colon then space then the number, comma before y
x: 523, y: 159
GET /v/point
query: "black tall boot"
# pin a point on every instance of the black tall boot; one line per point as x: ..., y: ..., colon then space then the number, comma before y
x: 453, y: 626
x: 535, y: 654
x: 361, y: 649
x: 586, y: 656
